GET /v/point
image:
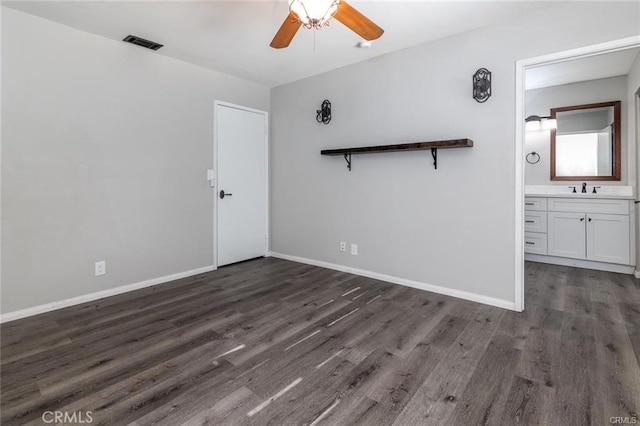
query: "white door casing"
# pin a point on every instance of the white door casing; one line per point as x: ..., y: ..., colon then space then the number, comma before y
x: 241, y: 164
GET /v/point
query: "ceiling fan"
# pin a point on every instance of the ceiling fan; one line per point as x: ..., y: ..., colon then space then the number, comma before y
x: 317, y: 13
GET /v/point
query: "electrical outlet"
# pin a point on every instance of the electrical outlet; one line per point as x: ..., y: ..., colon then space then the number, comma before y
x: 101, y: 268
x: 343, y: 246
x: 354, y: 249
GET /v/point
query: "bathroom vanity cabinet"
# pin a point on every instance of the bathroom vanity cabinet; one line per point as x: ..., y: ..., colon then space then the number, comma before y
x: 595, y: 233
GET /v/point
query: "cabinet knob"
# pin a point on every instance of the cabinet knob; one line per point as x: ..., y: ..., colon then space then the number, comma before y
x: 582, y: 219
x: 589, y: 219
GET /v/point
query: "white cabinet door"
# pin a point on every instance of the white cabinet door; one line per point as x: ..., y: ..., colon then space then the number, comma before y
x: 566, y: 234
x: 608, y: 238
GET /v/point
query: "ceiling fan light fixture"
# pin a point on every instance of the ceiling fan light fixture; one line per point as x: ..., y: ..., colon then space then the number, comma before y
x: 314, y: 13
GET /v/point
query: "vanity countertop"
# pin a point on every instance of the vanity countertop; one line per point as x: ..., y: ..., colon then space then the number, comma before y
x: 588, y: 195
x: 611, y: 192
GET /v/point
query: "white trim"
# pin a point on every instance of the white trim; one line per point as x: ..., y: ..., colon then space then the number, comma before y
x: 11, y: 316
x: 216, y: 104
x: 1, y: 115
x: 505, y: 304
x: 636, y: 274
x: 519, y: 188
x: 579, y: 263
x: 521, y: 66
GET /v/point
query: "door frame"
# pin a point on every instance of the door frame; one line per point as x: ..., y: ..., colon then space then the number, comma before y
x: 635, y: 212
x: 217, y: 104
x: 521, y: 67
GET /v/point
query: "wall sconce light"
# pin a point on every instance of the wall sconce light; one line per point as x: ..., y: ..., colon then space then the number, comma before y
x: 323, y: 115
x: 535, y: 122
x: 482, y: 85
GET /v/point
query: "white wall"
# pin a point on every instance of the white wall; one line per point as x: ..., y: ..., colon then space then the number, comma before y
x: 540, y: 102
x: 105, y: 149
x: 452, y: 227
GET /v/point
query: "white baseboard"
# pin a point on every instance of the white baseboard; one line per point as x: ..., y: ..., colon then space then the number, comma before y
x: 579, y: 263
x: 636, y: 274
x: 505, y: 304
x: 11, y: 316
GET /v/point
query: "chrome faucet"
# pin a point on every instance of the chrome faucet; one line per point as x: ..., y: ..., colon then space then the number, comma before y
x: 584, y: 187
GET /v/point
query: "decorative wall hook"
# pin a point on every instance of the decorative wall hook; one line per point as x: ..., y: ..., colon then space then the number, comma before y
x: 482, y: 85
x: 323, y: 115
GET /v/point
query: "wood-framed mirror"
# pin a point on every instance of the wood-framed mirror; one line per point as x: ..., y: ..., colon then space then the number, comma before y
x: 585, y: 145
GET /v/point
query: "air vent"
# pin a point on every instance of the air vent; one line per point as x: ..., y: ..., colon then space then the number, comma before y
x: 138, y: 41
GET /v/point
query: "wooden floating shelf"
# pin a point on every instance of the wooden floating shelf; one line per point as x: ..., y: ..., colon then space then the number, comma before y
x: 413, y: 146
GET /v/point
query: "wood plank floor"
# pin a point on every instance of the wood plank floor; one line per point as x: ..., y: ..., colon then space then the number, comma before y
x: 276, y: 342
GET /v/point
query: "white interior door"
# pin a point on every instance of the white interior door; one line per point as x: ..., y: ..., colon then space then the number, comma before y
x: 241, y: 138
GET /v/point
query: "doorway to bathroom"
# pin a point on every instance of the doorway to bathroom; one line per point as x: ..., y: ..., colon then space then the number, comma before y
x: 552, y: 81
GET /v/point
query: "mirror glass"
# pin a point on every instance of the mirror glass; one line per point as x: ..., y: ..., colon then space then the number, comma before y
x: 586, y: 143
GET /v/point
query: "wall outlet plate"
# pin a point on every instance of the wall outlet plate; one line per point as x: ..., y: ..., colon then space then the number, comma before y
x: 354, y: 249
x: 101, y: 268
x: 343, y: 246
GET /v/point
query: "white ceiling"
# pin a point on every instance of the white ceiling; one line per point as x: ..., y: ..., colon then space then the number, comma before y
x: 583, y: 69
x: 233, y: 36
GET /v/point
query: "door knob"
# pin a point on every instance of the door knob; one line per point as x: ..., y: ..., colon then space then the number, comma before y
x: 222, y: 194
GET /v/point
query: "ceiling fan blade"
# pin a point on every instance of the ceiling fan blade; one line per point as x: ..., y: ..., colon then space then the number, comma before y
x: 357, y: 22
x: 287, y: 30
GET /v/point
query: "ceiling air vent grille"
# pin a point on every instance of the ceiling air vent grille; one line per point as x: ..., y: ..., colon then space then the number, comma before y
x: 139, y: 41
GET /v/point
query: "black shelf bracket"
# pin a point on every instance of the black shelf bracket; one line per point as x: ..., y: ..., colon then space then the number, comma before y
x: 434, y: 154
x: 347, y: 158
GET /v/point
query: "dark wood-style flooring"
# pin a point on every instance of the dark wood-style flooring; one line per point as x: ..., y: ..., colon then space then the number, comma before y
x: 276, y: 342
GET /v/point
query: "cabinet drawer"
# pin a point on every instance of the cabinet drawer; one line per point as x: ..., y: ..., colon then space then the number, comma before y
x: 588, y: 206
x: 535, y: 203
x: 535, y: 243
x: 535, y: 221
